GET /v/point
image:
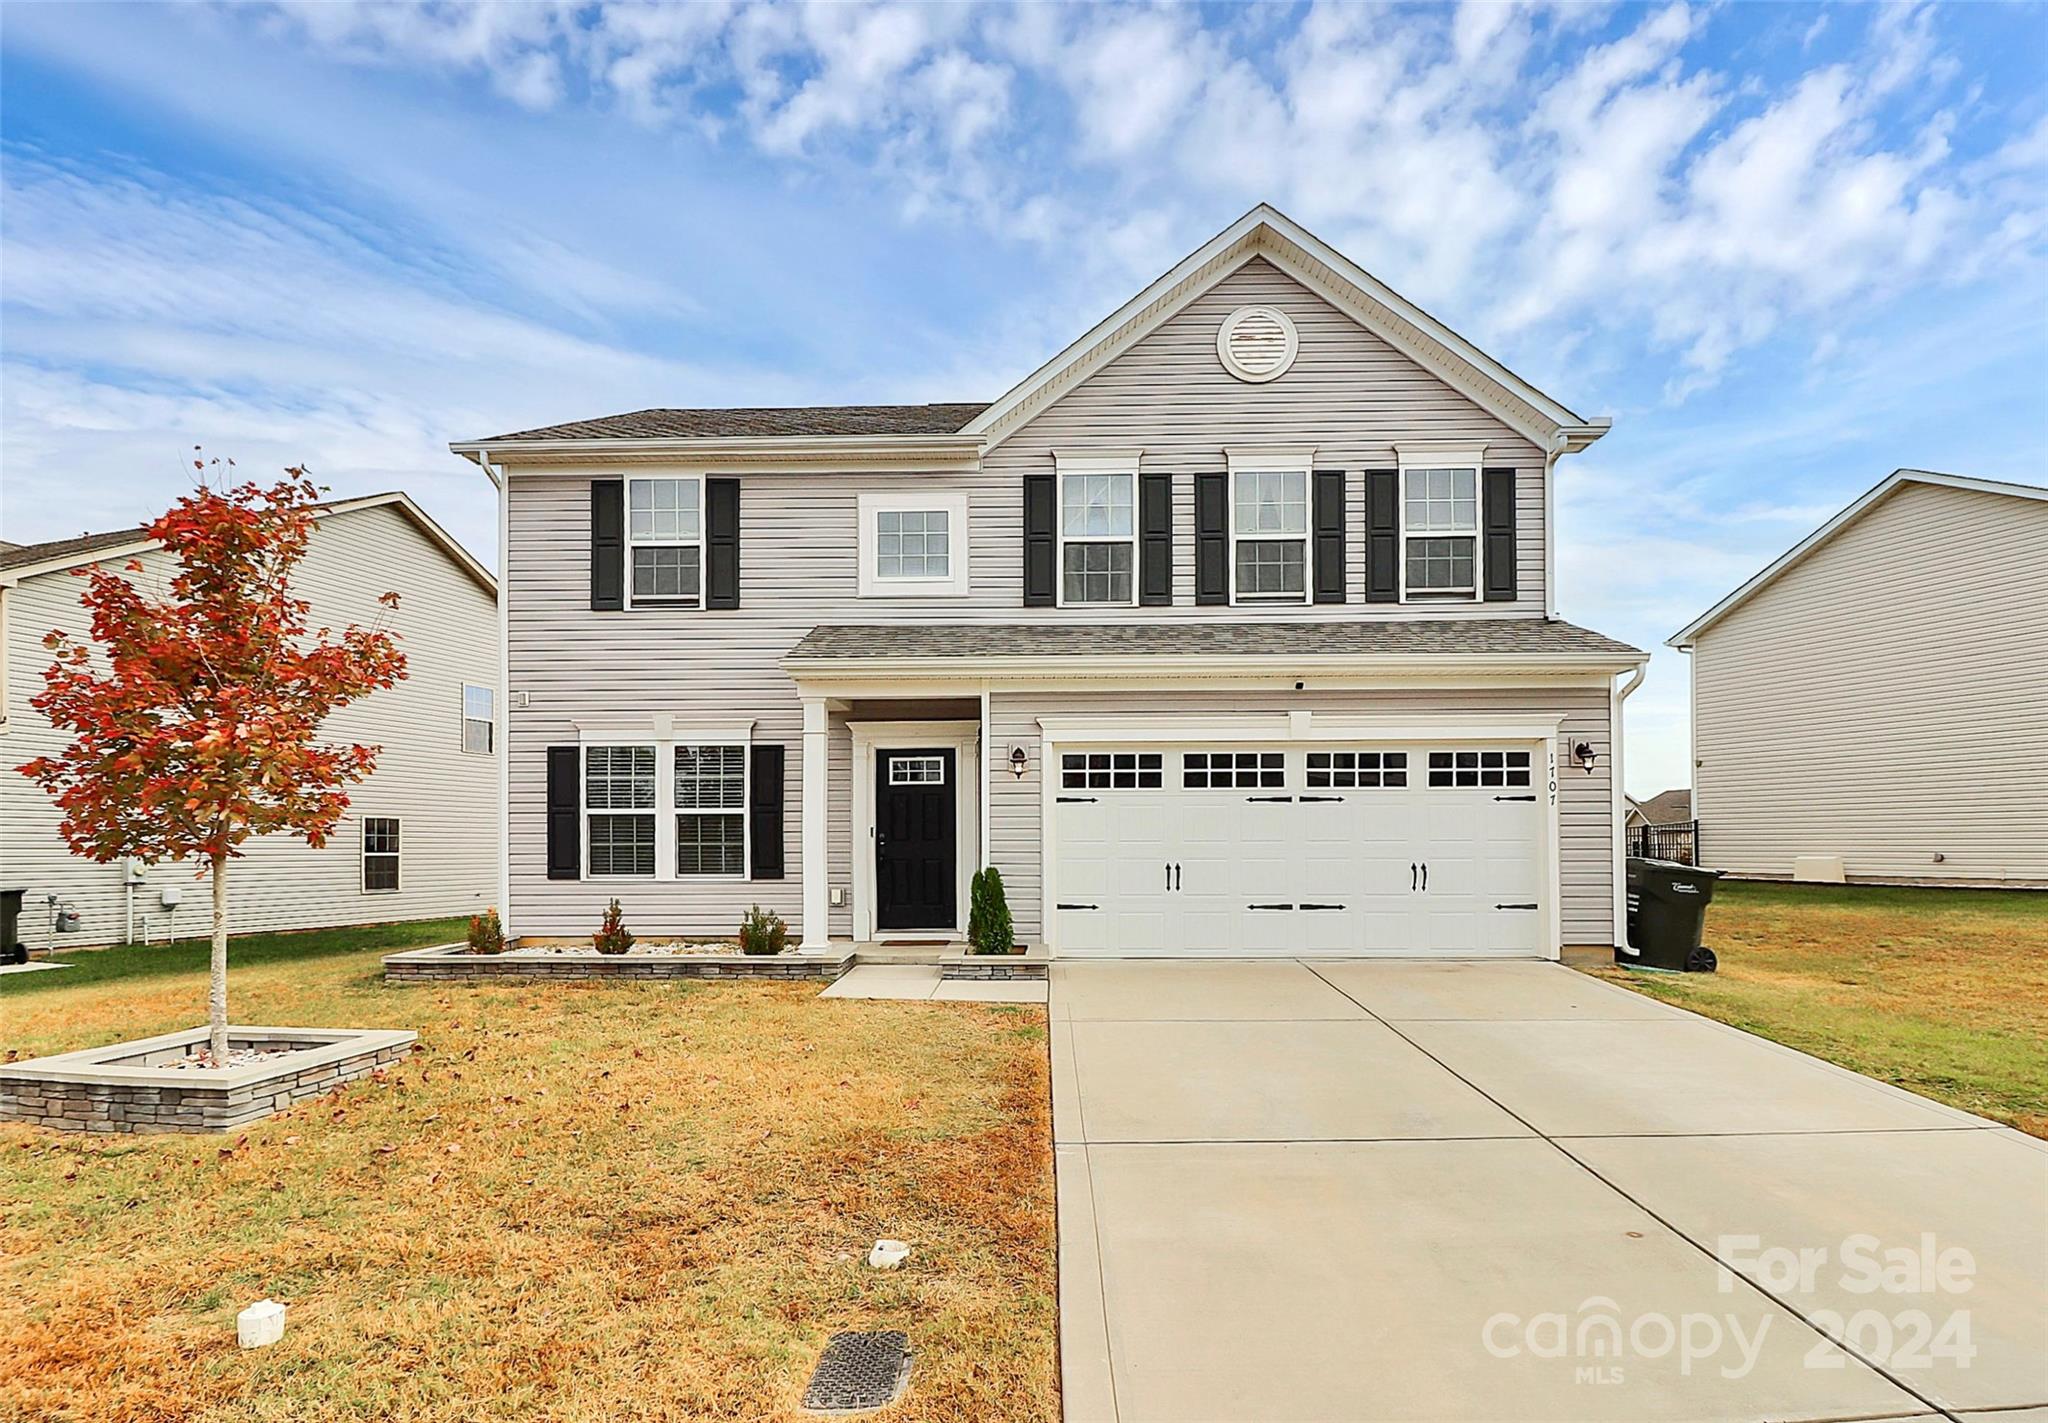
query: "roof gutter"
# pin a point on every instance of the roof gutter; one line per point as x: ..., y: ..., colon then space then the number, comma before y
x: 1226, y: 664
x: 762, y: 448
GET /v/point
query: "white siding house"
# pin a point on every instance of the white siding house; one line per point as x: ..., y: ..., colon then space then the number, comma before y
x: 1874, y: 705
x: 420, y: 839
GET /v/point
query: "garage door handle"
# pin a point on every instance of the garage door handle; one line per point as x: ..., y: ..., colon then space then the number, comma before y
x: 1305, y: 800
x: 1425, y: 875
x: 1270, y: 797
x: 1514, y: 797
x: 1322, y: 906
x: 1176, y: 875
x: 1515, y: 906
x: 1269, y: 906
x: 1090, y: 800
x: 1077, y: 906
x: 1412, y: 868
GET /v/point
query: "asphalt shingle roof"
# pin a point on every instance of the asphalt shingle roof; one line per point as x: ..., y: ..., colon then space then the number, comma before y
x: 1300, y: 638
x: 20, y: 555
x: 1668, y: 807
x: 755, y: 422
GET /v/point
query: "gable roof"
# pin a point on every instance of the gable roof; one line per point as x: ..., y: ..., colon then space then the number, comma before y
x: 19, y: 561
x: 1666, y: 807
x: 1890, y: 484
x: 1263, y: 233
x: 1266, y: 232
x: 764, y: 421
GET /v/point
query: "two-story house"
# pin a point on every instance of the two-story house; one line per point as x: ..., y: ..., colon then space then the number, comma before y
x: 1230, y: 630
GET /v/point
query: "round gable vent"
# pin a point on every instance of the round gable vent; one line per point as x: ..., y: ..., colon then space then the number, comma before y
x: 1257, y: 343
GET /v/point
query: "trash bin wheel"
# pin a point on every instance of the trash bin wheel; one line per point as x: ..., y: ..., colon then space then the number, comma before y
x: 1701, y: 961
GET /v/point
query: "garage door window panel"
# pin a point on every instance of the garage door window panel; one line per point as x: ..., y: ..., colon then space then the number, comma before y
x: 1479, y: 769
x: 1233, y: 770
x: 1112, y: 770
x: 1356, y: 770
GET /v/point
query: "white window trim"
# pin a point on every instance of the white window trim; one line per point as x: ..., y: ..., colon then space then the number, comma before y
x: 665, y: 810
x: 363, y: 855
x: 1291, y: 459
x: 697, y: 543
x: 1107, y: 462
x: 954, y: 506
x: 1414, y: 458
x: 490, y: 721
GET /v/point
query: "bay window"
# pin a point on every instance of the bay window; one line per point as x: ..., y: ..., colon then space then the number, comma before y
x: 664, y: 542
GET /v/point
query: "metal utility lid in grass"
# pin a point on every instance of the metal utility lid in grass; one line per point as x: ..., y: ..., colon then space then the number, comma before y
x: 859, y: 1372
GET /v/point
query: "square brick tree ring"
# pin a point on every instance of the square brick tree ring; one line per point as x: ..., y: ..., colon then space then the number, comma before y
x: 141, y: 1086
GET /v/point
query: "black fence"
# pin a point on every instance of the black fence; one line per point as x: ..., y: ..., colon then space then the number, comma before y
x: 1679, y: 842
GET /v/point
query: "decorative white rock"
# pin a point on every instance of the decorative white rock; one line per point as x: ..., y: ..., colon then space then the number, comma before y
x: 888, y: 1254
x: 261, y: 1323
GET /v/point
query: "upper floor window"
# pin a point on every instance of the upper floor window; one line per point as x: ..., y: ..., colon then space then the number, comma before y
x: 912, y: 544
x: 1269, y: 535
x: 664, y: 542
x: 1440, y: 532
x: 478, y: 719
x: 1098, y: 536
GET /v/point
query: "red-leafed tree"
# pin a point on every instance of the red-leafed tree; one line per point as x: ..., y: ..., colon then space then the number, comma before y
x: 199, y: 724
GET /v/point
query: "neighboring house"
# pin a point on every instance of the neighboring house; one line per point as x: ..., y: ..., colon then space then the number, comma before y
x: 421, y: 836
x: 1663, y: 808
x: 1230, y: 630
x: 1874, y: 705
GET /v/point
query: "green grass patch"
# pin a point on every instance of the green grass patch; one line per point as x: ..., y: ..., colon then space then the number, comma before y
x: 91, y: 966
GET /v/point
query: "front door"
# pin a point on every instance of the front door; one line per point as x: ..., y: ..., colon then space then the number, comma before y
x: 916, y: 846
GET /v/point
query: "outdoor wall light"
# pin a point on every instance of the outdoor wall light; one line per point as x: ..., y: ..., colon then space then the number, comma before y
x: 1018, y: 761
x: 1584, y: 754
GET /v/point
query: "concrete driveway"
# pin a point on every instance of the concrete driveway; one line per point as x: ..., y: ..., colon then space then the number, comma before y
x: 1407, y: 1190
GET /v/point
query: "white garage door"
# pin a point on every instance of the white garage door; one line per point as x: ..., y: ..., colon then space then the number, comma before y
x: 1323, y: 849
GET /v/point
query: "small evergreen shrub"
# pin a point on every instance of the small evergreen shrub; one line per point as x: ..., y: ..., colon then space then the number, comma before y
x: 989, y: 929
x: 611, y: 936
x: 486, y: 934
x: 762, y: 932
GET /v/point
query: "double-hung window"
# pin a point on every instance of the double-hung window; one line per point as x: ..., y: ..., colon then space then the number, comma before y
x: 711, y: 810
x: 618, y: 802
x: 478, y: 719
x: 665, y: 542
x: 1440, y: 532
x: 1269, y: 526
x: 380, y: 854
x: 1098, y: 532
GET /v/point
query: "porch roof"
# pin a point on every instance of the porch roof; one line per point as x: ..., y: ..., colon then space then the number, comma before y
x: 853, y: 645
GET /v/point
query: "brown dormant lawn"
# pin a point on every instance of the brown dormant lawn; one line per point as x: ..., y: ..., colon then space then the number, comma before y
x: 577, y: 1202
x: 1941, y: 991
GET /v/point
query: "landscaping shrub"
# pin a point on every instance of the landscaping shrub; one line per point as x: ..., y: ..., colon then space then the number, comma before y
x: 762, y: 932
x: 989, y: 929
x: 486, y: 934
x: 611, y: 937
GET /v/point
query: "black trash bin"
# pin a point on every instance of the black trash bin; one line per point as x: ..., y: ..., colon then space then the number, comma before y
x: 12, y: 950
x: 1667, y: 911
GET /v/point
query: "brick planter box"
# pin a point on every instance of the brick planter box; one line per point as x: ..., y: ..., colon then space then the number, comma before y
x: 454, y: 963
x: 994, y: 967
x: 134, y: 1087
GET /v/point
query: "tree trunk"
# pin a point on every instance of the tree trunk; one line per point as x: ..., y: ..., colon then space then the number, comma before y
x: 217, y: 976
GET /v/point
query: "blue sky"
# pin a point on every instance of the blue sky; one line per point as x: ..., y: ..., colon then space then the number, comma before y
x: 1787, y: 247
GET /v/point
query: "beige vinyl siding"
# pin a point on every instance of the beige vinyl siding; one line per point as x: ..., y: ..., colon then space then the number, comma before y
x: 1886, y: 700
x: 1349, y: 393
x: 1585, y: 821
x: 445, y: 800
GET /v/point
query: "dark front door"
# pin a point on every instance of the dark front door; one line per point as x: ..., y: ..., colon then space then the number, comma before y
x: 916, y: 869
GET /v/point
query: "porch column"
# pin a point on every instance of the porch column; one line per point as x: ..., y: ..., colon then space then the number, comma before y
x: 812, y: 867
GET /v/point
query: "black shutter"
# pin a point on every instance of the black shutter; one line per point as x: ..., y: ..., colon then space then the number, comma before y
x: 1155, y: 539
x: 721, y: 543
x: 1329, y: 532
x: 1041, y: 540
x: 1382, y: 536
x: 565, y: 811
x: 607, y: 545
x: 764, y: 811
x: 1497, y: 521
x: 1212, y: 537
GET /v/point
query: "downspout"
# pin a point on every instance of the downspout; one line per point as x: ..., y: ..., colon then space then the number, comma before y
x: 1550, y: 458
x: 1616, y: 697
x: 501, y: 708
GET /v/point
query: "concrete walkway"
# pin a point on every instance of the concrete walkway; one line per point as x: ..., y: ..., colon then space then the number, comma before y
x: 1405, y: 1190
x: 921, y: 982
